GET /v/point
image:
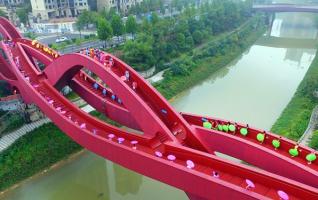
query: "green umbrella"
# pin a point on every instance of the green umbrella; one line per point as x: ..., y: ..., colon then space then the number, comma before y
x: 260, y: 137
x: 220, y: 127
x: 207, y: 125
x: 293, y: 152
x: 232, y: 127
x: 244, y: 131
x: 311, y: 157
x: 276, y: 143
x: 225, y: 128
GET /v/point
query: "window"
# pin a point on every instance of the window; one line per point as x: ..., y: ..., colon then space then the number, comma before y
x: 80, y: 4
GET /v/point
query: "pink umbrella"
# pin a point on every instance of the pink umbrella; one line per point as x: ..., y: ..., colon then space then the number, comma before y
x: 171, y: 157
x: 63, y: 112
x: 51, y: 101
x: 134, y: 143
x: 250, y: 184
x: 121, y: 140
x: 83, y: 125
x: 123, y: 78
x: 282, y: 195
x: 111, y: 136
x: 158, y: 154
x: 58, y: 109
x: 190, y: 164
x: 35, y: 85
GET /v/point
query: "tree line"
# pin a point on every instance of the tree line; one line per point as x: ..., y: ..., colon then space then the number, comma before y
x: 159, y: 39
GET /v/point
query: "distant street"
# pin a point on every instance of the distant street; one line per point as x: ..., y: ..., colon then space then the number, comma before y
x: 50, y: 38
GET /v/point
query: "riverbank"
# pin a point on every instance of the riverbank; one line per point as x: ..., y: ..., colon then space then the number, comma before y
x: 190, y: 70
x: 35, y: 149
x: 294, y: 120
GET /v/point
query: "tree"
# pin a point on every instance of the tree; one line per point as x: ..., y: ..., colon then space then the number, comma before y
x: 104, y: 30
x: 87, y: 18
x: 131, y: 25
x: 117, y: 25
x: 197, y: 37
x: 80, y: 24
x: 22, y: 13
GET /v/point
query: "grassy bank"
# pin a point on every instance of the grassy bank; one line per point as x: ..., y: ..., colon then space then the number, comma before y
x: 34, y: 152
x: 201, y: 63
x: 294, y: 119
x: 47, y: 144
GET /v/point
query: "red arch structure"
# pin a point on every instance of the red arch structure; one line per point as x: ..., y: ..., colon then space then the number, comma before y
x: 173, y: 147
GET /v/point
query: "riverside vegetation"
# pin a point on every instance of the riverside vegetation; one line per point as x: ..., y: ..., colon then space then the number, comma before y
x: 294, y: 120
x: 47, y: 144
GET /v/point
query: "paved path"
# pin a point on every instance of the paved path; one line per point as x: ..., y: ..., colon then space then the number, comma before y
x: 10, y: 138
x: 312, y: 126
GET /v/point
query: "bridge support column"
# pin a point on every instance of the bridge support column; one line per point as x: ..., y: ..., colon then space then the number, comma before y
x: 271, y: 22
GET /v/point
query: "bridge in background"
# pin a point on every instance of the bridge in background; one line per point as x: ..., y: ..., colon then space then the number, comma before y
x: 286, y: 8
x: 175, y: 148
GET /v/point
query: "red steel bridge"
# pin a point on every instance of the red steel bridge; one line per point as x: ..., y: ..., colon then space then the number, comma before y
x: 175, y: 148
x: 286, y: 8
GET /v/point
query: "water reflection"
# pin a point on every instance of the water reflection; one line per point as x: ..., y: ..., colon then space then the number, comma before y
x: 126, y: 182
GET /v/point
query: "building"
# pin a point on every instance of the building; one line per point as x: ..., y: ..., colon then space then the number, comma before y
x: 10, y: 3
x: 44, y: 10
x: 58, y: 25
x: 118, y: 5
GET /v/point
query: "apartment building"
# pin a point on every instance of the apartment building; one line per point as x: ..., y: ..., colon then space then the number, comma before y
x: 44, y: 10
x: 119, y: 5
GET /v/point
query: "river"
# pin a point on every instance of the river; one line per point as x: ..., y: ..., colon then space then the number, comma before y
x: 253, y: 89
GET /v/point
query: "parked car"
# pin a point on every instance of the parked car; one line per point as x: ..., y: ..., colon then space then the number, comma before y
x: 61, y: 39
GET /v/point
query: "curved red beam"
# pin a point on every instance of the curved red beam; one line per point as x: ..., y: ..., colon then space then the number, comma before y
x: 245, y: 148
x: 230, y: 184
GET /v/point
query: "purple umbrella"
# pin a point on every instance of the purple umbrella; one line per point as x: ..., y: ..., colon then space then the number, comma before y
x: 111, y: 136
x: 282, y: 195
x: 158, y: 154
x: 190, y: 164
x: 121, y: 140
x: 171, y: 157
x: 250, y: 184
x: 134, y: 143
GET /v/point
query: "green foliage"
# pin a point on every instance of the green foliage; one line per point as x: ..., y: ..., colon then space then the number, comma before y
x: 22, y: 13
x: 15, y: 122
x: 131, y: 25
x: 86, y: 18
x: 294, y: 120
x: 177, y: 35
x: 5, y: 89
x: 138, y: 53
x: 314, y: 141
x: 104, y: 30
x: 33, y: 152
x: 197, y: 37
x: 30, y: 35
x: 2, y: 112
x: 208, y: 58
x: 117, y: 25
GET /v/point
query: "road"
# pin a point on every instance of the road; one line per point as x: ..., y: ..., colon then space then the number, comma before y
x: 50, y: 39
